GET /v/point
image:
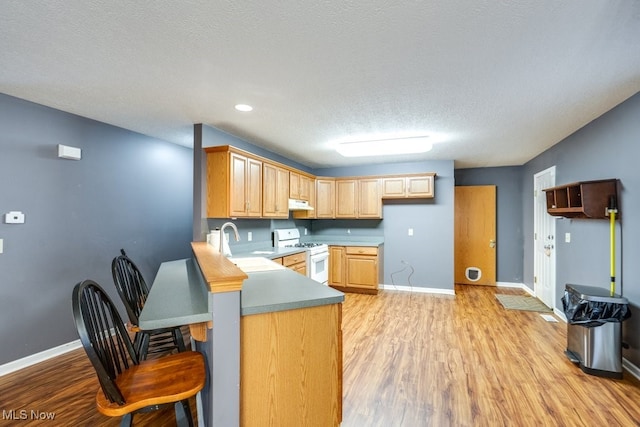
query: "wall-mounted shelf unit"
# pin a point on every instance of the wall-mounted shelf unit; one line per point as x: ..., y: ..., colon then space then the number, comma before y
x: 586, y: 199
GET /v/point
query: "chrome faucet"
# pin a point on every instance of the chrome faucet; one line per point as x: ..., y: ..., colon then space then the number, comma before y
x: 224, y: 247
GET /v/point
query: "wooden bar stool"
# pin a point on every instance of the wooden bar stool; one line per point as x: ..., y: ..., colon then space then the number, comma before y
x: 129, y: 385
x: 133, y: 291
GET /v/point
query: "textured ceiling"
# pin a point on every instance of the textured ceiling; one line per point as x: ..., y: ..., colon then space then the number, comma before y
x: 493, y: 82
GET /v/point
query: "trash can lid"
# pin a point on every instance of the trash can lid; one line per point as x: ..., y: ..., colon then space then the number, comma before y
x: 596, y: 294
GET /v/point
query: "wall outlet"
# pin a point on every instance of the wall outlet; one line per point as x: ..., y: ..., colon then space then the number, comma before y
x: 1, y: 245
x: 249, y: 236
x: 305, y: 231
x: 410, y: 233
x: 348, y: 231
x: 567, y: 237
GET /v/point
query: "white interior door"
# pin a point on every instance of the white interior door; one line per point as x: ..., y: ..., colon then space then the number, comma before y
x: 544, y: 237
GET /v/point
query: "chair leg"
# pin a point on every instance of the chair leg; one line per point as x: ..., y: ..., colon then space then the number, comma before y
x: 144, y: 346
x: 187, y: 418
x: 127, y: 420
x: 178, y: 339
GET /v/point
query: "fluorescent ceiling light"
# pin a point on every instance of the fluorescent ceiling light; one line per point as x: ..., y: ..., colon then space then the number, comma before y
x: 244, y: 108
x: 385, y: 147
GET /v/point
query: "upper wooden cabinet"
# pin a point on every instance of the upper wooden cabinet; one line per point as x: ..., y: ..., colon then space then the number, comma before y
x: 234, y: 184
x: 275, y: 191
x: 358, y: 198
x: 369, y: 203
x: 299, y: 186
x: 587, y: 199
x: 325, y: 198
x: 241, y: 184
x: 312, y: 202
x: 408, y: 187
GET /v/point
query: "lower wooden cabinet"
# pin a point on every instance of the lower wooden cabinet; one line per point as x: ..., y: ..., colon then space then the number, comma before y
x: 336, y: 266
x: 355, y: 268
x: 291, y: 367
x: 296, y: 262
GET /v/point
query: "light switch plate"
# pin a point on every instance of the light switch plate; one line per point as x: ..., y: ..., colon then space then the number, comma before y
x: 410, y: 232
x: 1, y: 246
x: 567, y: 237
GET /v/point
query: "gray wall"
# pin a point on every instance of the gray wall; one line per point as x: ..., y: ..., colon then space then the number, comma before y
x: 605, y: 148
x: 509, y: 235
x: 128, y: 191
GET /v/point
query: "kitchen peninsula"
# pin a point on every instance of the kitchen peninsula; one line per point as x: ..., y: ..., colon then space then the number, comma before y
x: 274, y: 351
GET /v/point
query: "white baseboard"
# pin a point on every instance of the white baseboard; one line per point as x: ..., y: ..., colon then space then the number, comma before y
x: 417, y: 289
x: 631, y: 368
x: 16, y: 365
x: 560, y: 314
x: 515, y: 285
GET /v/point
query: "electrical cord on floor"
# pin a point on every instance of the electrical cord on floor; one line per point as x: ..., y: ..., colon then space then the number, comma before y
x: 406, y: 266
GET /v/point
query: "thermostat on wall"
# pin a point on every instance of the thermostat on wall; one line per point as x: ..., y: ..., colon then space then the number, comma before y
x: 14, y: 217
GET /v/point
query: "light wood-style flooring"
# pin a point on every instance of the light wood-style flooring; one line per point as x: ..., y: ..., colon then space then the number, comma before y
x: 422, y: 360
x: 410, y: 360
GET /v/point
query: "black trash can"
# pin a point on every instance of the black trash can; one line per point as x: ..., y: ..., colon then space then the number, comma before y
x: 594, y: 329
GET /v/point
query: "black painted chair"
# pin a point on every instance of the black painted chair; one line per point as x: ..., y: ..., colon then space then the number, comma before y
x: 133, y: 291
x: 128, y: 384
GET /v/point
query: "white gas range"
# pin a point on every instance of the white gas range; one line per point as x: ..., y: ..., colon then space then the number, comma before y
x: 317, y: 253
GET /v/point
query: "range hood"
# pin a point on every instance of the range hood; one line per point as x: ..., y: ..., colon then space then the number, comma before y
x: 299, y: 205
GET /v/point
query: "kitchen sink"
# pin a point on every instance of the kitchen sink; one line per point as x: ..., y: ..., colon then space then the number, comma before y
x: 253, y: 264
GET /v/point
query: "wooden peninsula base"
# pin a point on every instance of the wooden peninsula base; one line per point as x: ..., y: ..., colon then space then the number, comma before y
x: 291, y: 367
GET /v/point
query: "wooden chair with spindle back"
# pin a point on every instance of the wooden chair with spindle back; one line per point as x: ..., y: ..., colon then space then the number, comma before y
x: 133, y: 291
x: 129, y: 385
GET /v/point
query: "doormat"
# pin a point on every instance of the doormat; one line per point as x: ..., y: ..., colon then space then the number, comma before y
x: 522, y: 302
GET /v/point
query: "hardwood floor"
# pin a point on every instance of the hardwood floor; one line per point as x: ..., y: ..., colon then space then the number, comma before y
x: 410, y: 360
x: 423, y: 360
x: 64, y: 388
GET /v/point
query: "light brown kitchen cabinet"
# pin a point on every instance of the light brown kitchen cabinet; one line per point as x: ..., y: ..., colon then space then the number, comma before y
x: 369, y: 201
x: 291, y: 367
x: 336, y: 266
x: 346, y: 198
x: 241, y: 184
x: 234, y: 184
x: 362, y: 267
x: 325, y: 197
x: 358, y: 198
x: 299, y: 186
x: 296, y: 262
x: 275, y: 191
x: 312, y: 202
x: 355, y: 268
x: 408, y: 187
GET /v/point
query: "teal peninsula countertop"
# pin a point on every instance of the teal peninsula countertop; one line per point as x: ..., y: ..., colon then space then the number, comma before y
x: 179, y: 294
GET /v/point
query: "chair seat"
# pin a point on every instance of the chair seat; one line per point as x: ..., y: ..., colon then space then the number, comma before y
x: 157, y: 381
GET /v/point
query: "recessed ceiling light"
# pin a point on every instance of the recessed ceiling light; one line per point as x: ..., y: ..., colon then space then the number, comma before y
x: 385, y: 147
x: 244, y: 108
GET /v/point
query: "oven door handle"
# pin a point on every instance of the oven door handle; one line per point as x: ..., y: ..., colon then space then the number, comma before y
x: 319, y: 257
